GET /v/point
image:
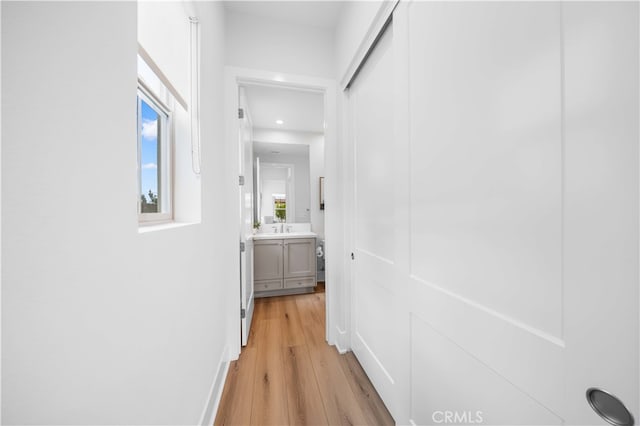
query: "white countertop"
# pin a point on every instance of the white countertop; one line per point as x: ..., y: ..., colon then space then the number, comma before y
x: 283, y: 235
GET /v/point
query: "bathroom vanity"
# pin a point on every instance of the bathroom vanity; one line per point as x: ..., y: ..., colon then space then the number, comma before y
x: 284, y: 263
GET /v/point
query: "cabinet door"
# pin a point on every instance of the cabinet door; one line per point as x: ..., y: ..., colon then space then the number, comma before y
x: 267, y: 260
x: 300, y: 257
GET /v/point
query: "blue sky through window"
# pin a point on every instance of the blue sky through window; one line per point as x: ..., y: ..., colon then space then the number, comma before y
x: 149, y: 150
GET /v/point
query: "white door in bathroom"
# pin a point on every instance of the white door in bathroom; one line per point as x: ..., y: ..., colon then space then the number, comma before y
x: 245, y: 155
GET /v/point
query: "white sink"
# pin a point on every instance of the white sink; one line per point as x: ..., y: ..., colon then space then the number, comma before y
x: 283, y: 235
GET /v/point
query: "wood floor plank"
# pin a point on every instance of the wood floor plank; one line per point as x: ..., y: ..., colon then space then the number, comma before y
x: 341, y: 405
x: 269, y: 389
x: 288, y: 375
x: 271, y: 307
x: 239, y: 384
x: 292, y: 332
x: 304, y: 401
x: 367, y: 396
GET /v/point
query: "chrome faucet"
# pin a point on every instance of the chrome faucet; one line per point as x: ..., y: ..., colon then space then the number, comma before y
x: 275, y: 229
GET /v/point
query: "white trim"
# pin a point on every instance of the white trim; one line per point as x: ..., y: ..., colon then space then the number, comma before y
x: 0, y: 225
x: 235, y: 76
x: 147, y: 227
x: 290, y: 196
x: 165, y: 147
x: 554, y: 340
x: 212, y: 403
x: 340, y: 343
x: 371, y: 356
x: 163, y: 78
x: 385, y: 11
x: 194, y: 116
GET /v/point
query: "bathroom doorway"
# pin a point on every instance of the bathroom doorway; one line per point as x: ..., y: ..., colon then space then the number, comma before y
x: 281, y: 158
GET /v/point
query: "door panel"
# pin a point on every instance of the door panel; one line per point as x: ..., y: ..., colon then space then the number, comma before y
x: 524, y: 209
x: 481, y: 395
x: 245, y: 155
x: 601, y: 203
x: 486, y: 201
x: 267, y: 260
x: 299, y: 258
x: 486, y: 156
x: 371, y: 98
x: 376, y: 293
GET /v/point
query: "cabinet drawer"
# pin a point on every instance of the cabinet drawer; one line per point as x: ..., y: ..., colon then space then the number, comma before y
x: 267, y: 285
x: 300, y: 282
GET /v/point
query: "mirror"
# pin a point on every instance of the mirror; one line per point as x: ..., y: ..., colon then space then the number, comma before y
x: 281, y: 172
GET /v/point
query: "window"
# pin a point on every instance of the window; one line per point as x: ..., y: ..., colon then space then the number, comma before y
x: 154, y: 158
x: 280, y: 207
x: 168, y: 144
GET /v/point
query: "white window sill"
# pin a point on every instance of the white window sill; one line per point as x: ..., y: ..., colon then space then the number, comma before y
x: 144, y: 228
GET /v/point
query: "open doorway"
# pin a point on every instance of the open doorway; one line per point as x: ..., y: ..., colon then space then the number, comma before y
x: 282, y: 159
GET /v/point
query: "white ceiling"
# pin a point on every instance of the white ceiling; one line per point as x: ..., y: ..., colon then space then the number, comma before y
x: 321, y: 14
x: 299, y: 110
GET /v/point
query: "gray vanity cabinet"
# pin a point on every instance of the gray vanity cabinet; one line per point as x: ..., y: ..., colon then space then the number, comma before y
x: 282, y: 265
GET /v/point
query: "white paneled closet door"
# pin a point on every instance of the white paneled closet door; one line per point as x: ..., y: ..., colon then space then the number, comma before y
x: 524, y: 210
x: 495, y: 216
x: 379, y: 322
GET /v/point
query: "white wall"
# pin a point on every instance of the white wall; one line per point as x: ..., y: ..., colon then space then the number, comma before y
x: 102, y: 324
x: 267, y: 44
x: 315, y: 141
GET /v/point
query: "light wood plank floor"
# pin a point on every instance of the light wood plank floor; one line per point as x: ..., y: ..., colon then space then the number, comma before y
x: 288, y: 375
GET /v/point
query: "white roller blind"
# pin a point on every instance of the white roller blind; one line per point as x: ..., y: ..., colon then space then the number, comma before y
x: 195, y: 94
x: 164, y: 34
x: 169, y: 43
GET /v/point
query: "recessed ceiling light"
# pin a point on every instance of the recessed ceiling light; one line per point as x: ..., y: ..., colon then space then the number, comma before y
x: 279, y: 122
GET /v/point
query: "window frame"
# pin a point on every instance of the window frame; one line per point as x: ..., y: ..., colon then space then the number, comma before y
x: 278, y: 198
x: 166, y: 157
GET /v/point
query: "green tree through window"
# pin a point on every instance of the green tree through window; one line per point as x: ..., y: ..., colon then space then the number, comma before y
x: 280, y: 209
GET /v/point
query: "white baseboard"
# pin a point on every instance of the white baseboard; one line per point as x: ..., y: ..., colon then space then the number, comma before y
x: 341, y: 341
x: 215, y: 393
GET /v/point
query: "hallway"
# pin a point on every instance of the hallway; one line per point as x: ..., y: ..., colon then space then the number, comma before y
x: 287, y: 374
x: 464, y: 176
